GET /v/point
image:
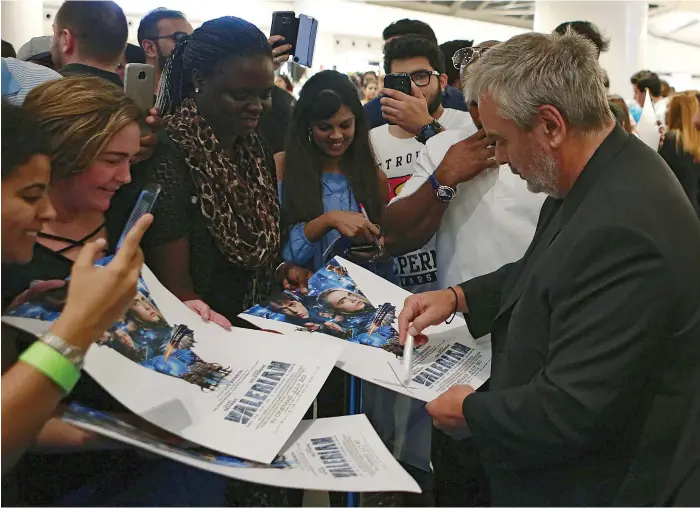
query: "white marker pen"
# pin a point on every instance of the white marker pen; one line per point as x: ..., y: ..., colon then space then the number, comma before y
x: 408, y: 354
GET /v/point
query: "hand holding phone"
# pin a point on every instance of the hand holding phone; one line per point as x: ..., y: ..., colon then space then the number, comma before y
x: 139, y: 86
x: 353, y: 225
x: 299, y: 33
x: 285, y: 24
x: 400, y: 81
x: 144, y: 205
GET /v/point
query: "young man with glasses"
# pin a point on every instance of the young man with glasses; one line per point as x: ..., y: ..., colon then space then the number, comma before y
x: 413, y: 119
x: 452, y: 97
x: 158, y: 32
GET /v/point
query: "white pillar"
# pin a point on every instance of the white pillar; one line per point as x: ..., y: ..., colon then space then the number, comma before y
x: 21, y: 20
x: 623, y: 22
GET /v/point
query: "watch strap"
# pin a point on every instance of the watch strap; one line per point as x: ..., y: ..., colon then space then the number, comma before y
x: 444, y: 193
x: 434, y: 182
x: 52, y: 364
x: 428, y: 131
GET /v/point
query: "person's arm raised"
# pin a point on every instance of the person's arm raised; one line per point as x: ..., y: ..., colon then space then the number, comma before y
x: 411, y: 221
x: 97, y: 298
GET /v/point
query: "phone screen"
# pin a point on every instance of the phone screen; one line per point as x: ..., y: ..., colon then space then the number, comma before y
x: 144, y: 205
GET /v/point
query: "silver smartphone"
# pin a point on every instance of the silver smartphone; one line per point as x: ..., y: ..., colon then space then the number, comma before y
x: 139, y: 86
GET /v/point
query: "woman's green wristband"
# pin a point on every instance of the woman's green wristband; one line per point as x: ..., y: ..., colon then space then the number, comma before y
x: 52, y: 364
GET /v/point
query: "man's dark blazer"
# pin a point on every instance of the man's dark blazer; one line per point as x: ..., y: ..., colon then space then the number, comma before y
x: 683, y: 484
x: 596, y: 338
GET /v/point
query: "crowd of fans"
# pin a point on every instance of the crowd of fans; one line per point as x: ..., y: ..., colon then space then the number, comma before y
x: 438, y: 187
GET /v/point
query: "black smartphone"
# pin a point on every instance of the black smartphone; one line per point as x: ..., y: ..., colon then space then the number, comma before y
x: 306, y: 41
x: 365, y: 248
x: 286, y: 24
x: 398, y: 81
x: 144, y: 205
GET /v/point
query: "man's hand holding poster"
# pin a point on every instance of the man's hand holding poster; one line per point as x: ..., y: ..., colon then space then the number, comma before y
x: 356, y: 307
x: 241, y: 392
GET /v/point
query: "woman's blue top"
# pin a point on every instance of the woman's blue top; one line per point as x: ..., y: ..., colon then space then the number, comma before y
x: 337, y: 196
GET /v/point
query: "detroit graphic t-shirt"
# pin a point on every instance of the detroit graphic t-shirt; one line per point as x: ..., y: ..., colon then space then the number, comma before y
x: 397, y: 157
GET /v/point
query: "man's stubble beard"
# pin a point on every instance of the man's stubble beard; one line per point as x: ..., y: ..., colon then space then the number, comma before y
x: 161, y: 61
x: 435, y: 104
x: 545, y: 177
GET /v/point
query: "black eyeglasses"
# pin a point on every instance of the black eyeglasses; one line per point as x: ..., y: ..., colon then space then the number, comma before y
x: 422, y: 78
x: 175, y: 37
x: 465, y: 56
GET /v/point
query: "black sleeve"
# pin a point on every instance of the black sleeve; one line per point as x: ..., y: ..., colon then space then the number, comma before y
x: 483, y: 296
x: 607, y: 316
x: 274, y: 123
x: 686, y: 170
x: 270, y: 165
x: 173, y: 210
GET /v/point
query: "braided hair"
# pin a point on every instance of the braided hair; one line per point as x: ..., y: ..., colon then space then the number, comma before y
x: 210, y: 44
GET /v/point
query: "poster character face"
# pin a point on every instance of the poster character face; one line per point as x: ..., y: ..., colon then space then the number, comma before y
x: 105, y: 338
x: 343, y: 301
x: 145, y: 311
x: 123, y: 337
x: 290, y: 307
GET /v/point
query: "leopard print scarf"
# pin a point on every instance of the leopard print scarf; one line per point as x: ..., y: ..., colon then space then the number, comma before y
x: 237, y: 197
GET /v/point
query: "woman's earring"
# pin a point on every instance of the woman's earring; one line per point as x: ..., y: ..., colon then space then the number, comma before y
x: 310, y: 136
x: 196, y: 90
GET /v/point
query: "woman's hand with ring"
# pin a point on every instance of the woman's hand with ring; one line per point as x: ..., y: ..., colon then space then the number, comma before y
x: 278, y: 58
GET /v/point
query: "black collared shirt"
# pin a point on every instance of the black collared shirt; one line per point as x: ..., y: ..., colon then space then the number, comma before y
x: 77, y: 69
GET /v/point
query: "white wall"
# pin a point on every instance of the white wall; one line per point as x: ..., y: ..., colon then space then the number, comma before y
x: 669, y: 56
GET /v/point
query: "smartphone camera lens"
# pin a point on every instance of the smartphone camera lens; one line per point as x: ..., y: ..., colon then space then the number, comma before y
x: 142, y: 75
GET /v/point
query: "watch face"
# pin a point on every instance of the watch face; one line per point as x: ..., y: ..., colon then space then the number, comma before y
x: 445, y: 193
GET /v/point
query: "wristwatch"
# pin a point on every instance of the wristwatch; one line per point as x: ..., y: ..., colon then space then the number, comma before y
x: 444, y: 193
x: 428, y: 131
x: 73, y: 354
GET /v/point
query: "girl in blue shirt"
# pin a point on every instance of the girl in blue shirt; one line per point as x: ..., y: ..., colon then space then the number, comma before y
x: 326, y: 174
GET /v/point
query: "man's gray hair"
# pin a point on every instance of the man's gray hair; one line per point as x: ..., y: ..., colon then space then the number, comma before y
x: 534, y: 69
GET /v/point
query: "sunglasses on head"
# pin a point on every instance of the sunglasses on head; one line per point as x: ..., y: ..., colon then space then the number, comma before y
x: 465, y: 56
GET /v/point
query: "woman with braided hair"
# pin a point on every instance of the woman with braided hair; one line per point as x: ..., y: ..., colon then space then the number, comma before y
x: 216, y: 237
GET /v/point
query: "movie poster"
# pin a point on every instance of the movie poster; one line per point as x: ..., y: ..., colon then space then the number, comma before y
x: 356, y: 307
x: 241, y: 392
x: 331, y: 454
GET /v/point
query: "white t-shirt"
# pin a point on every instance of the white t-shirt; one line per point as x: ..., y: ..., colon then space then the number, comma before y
x: 490, y: 222
x: 660, y: 108
x: 397, y: 158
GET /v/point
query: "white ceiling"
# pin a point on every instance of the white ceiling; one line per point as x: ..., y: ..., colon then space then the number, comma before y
x: 677, y: 20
